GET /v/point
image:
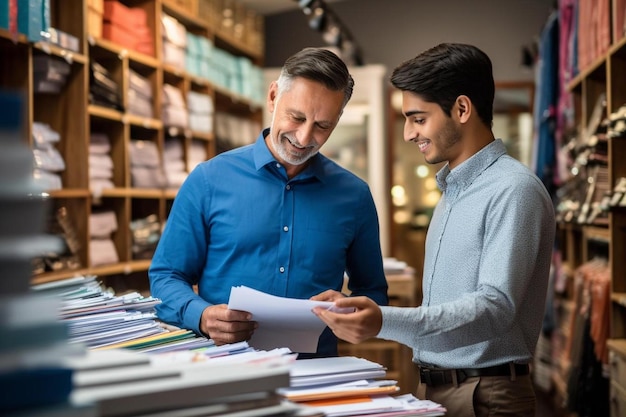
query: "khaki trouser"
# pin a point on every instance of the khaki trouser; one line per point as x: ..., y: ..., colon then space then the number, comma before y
x: 487, y: 396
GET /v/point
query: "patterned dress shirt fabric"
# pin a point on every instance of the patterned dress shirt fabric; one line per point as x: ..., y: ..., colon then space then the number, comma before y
x: 487, y: 262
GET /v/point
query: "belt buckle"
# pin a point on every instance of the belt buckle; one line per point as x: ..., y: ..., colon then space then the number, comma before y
x: 461, y: 376
x: 425, y: 376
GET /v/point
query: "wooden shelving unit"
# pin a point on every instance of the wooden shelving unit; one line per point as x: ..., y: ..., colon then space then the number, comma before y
x: 580, y: 243
x: 74, y: 117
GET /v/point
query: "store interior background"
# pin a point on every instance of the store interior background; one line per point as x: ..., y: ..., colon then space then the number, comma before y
x: 391, y: 32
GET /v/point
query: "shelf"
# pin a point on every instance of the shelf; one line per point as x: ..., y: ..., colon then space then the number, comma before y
x: 5, y: 34
x: 143, y: 122
x: 105, y: 113
x: 599, y: 234
x: 69, y: 56
x: 123, y: 52
x: 124, y: 268
x: 69, y: 193
x: 619, y: 298
x: 71, y: 114
x: 183, y: 16
x: 618, y: 346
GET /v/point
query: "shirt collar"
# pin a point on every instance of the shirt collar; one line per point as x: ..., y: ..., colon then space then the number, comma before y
x: 468, y: 170
x: 263, y: 157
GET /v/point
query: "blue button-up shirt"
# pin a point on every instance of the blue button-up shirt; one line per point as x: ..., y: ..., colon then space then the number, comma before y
x: 238, y: 220
x: 487, y: 261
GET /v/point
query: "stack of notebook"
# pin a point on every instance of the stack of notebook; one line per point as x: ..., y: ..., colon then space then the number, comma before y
x: 351, y: 386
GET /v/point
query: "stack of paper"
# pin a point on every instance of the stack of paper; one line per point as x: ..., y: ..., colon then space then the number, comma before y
x: 350, y: 386
x: 97, y: 318
x: 124, y: 383
x: 283, y: 322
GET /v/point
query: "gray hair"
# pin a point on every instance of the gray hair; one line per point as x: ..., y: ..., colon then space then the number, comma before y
x: 320, y: 65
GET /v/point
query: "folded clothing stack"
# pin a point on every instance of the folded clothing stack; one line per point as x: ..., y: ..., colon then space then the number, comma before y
x: 174, y: 162
x: 200, y: 112
x: 128, y: 27
x: 48, y: 162
x: 174, y: 110
x: 199, y: 56
x: 145, y: 165
x: 49, y: 73
x: 146, y: 233
x: 234, y: 131
x: 140, y: 97
x: 174, y: 41
x: 197, y: 154
x: 100, y: 163
x: 102, y: 250
x: 103, y: 89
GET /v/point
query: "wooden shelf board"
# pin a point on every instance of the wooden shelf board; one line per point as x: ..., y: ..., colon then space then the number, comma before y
x: 617, y: 46
x: 236, y: 100
x: 617, y: 345
x: 145, y: 122
x: 183, y: 16
x: 124, y: 268
x: 174, y: 71
x: 578, y: 80
x: 223, y: 37
x: 202, y: 136
x: 18, y: 38
x: 57, y: 276
x: 69, y: 193
x: 619, y: 298
x: 146, y: 193
x: 69, y: 56
x: 124, y: 52
x: 115, y: 192
x: 171, y: 193
x: 121, y: 268
x: 105, y: 113
x: 600, y: 234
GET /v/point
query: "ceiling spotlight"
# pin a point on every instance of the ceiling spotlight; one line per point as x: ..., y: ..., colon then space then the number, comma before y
x: 305, y: 3
x: 317, y: 19
x: 332, y: 34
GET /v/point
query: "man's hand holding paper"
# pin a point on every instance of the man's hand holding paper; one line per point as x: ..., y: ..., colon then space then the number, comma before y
x: 282, y: 322
x: 226, y: 326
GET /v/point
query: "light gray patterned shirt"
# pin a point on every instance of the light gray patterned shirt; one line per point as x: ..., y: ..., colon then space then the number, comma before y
x: 488, y: 254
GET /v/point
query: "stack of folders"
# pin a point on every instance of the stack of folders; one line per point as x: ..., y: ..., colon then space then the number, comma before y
x: 125, y: 383
x: 351, y: 386
x: 99, y: 320
x: 33, y: 378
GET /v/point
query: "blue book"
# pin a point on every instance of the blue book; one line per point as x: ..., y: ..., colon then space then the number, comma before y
x: 25, y: 388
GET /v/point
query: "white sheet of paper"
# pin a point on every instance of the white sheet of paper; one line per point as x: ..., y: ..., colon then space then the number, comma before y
x: 283, y: 322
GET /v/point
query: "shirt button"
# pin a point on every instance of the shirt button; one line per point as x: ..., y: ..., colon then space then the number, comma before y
x: 288, y: 187
x: 281, y: 269
x: 277, y: 165
x: 286, y: 228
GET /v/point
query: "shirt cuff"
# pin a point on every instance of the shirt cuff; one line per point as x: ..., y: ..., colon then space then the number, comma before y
x: 193, y: 313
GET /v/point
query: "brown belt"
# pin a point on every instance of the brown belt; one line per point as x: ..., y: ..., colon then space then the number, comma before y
x: 434, y: 377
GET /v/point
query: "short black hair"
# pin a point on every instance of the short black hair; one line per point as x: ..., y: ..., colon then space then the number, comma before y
x: 447, y: 71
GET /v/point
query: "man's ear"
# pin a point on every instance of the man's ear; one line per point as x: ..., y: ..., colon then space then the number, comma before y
x: 272, y: 95
x: 463, y: 108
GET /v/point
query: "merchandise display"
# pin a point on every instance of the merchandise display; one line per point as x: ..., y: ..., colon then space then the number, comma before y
x: 587, y: 312
x: 104, y: 100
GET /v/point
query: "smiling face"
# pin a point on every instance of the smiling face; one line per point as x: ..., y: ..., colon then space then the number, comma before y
x: 303, y: 117
x: 437, y: 135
